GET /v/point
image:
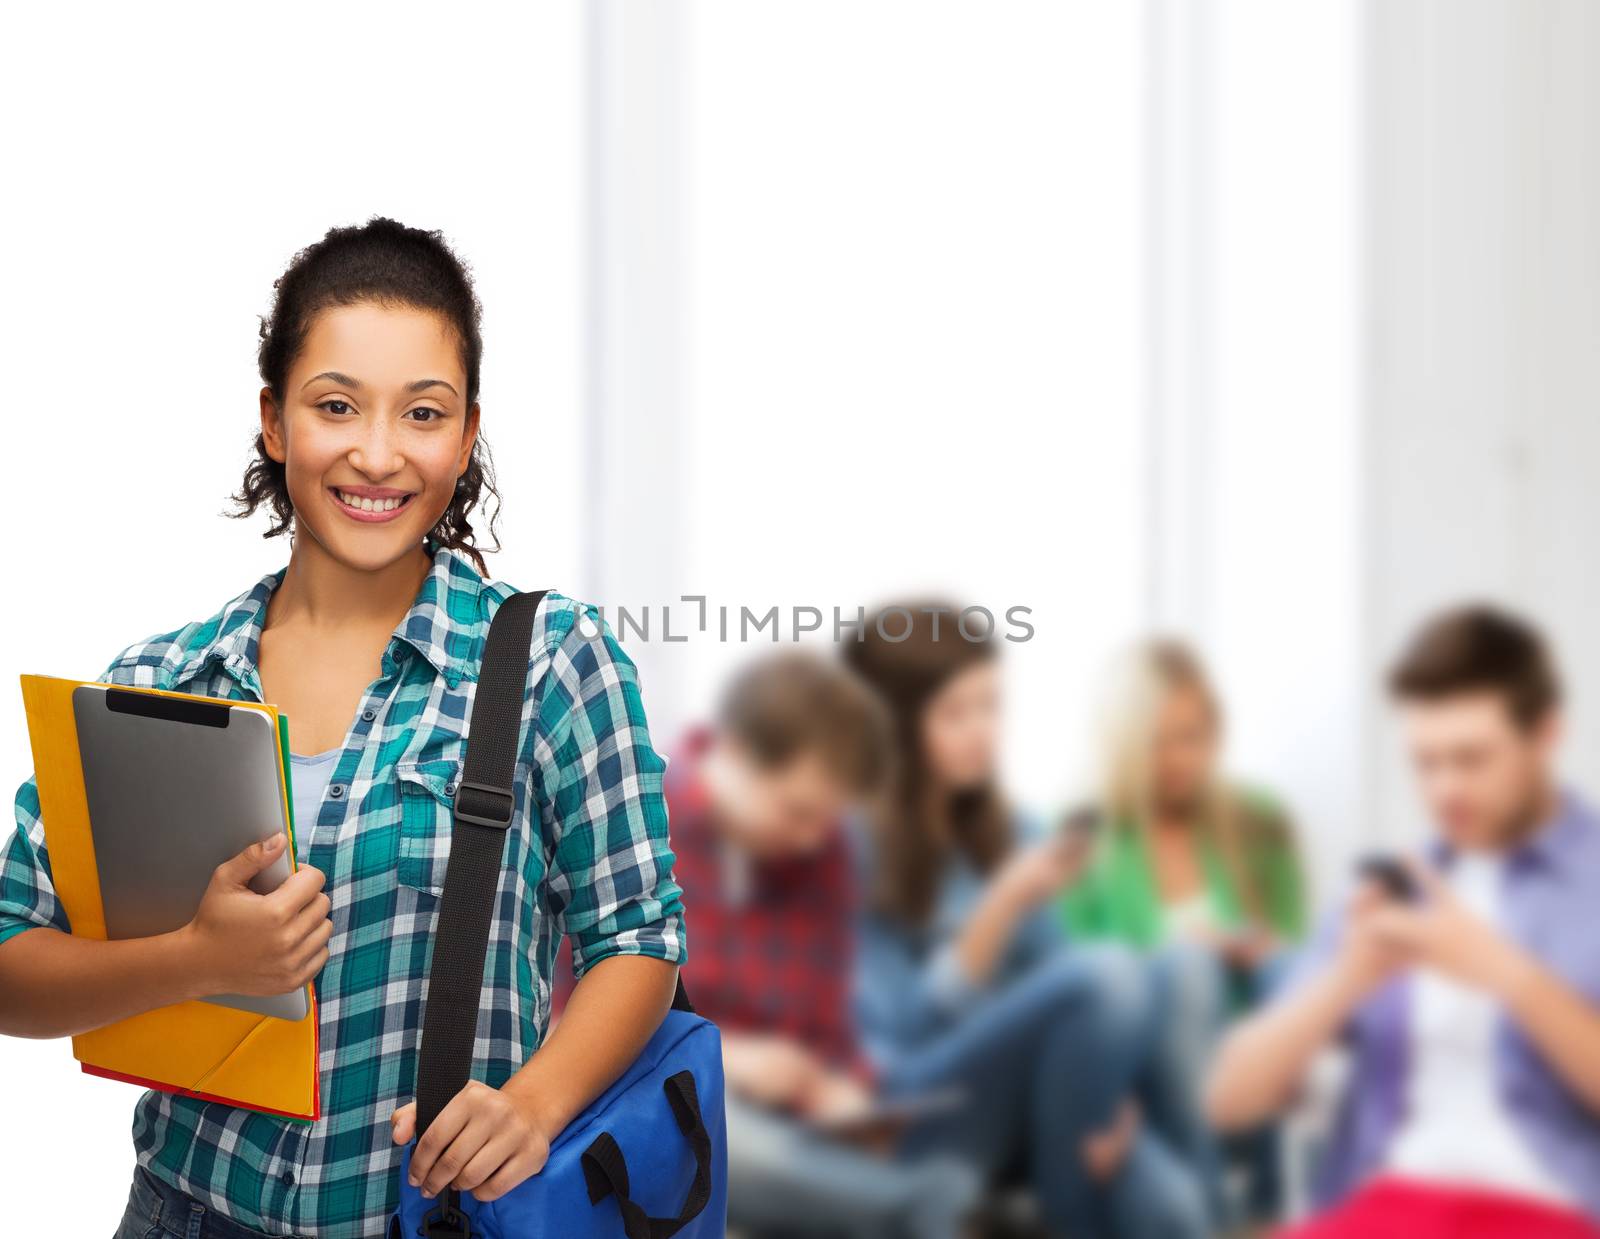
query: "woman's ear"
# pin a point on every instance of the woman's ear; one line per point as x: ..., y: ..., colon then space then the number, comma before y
x: 469, y: 436
x: 272, y: 427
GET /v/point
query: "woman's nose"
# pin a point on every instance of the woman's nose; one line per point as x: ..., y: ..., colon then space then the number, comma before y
x: 375, y: 453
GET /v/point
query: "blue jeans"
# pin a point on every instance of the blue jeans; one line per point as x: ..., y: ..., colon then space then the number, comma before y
x: 786, y: 1179
x: 157, y: 1210
x: 1206, y: 993
x: 1044, y: 1062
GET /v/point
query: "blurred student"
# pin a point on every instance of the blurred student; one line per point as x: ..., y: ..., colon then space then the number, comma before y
x: 1191, y: 865
x: 756, y: 802
x: 1188, y: 855
x: 965, y: 978
x: 1468, y: 987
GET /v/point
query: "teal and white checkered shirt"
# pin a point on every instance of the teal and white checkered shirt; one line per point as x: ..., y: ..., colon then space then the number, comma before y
x: 588, y: 857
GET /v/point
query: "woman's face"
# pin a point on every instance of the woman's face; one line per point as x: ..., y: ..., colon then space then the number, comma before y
x: 1183, y: 751
x: 374, y: 429
x: 961, y: 728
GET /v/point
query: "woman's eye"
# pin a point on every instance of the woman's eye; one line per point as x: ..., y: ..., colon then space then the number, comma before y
x: 424, y: 409
x: 334, y: 406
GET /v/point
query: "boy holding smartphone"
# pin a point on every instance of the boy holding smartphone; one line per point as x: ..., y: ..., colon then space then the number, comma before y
x: 1473, y: 1008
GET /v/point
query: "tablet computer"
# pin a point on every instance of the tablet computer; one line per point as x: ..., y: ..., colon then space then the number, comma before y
x: 176, y: 786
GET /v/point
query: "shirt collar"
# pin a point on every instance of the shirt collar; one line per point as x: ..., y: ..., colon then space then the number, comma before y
x: 1557, y: 841
x: 437, y: 625
x: 1550, y: 845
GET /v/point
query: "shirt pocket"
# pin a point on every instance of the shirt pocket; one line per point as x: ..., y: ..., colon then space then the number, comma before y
x: 427, y: 811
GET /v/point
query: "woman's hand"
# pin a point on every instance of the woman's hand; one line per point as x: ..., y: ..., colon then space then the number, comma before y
x: 485, y: 1141
x: 1028, y: 877
x: 1039, y: 871
x: 239, y: 942
x: 1242, y: 948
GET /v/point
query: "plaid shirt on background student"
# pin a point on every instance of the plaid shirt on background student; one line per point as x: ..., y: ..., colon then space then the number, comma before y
x: 593, y: 862
x: 773, y: 939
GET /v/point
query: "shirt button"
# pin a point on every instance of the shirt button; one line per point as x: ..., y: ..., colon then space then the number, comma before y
x: 288, y: 1178
x: 369, y: 715
x: 449, y: 789
x: 336, y: 790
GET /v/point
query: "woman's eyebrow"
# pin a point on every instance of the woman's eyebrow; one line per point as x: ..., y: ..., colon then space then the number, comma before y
x: 343, y: 380
x: 422, y: 384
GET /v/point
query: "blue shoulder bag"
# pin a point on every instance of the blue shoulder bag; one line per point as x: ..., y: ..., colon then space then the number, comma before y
x: 648, y: 1158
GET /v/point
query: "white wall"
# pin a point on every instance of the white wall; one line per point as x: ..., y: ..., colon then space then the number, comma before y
x: 908, y: 298
x: 1483, y: 266
x: 1255, y: 486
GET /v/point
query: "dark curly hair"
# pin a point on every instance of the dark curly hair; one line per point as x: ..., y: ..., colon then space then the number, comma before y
x: 387, y: 262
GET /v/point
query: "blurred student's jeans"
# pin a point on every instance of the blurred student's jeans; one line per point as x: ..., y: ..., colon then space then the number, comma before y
x: 786, y: 1180
x: 1045, y: 1061
x: 1203, y: 991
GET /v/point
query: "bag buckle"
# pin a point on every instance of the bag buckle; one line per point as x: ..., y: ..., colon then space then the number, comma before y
x: 481, y: 790
x: 445, y: 1221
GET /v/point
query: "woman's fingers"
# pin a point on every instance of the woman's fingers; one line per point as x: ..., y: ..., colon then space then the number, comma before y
x: 469, y: 1146
x: 523, y: 1163
x: 314, y: 942
x: 496, y: 1151
x: 310, y: 917
x: 456, y: 1156
x: 436, y: 1141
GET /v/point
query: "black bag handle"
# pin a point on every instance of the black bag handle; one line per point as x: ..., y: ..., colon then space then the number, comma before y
x: 485, y: 801
x: 605, y: 1169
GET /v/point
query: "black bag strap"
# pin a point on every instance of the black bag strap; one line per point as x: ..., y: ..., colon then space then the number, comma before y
x: 484, y: 803
x: 605, y: 1169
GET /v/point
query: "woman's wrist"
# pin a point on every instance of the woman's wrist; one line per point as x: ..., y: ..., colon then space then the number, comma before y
x: 537, y: 1102
x: 186, y: 964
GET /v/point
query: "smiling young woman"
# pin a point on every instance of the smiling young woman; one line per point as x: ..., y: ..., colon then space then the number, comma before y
x: 370, y: 639
x: 377, y: 413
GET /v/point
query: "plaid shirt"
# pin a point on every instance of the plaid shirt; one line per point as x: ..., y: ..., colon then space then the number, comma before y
x: 592, y: 862
x: 774, y: 939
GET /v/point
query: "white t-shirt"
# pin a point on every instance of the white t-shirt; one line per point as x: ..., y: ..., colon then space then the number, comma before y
x: 1456, y: 1129
x: 1190, y: 917
x: 309, y: 776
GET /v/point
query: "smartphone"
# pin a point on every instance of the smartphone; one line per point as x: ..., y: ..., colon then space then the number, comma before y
x: 1390, y: 875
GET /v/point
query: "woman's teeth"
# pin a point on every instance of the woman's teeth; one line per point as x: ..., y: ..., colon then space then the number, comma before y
x: 370, y: 505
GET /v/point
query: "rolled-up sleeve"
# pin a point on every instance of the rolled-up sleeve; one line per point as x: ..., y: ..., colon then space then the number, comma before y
x: 1310, y: 958
x: 612, y: 870
x: 27, y: 894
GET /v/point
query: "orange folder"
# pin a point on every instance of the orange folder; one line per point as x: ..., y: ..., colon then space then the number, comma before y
x: 198, y: 1049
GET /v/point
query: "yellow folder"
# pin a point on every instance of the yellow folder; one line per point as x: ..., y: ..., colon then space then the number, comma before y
x: 198, y: 1049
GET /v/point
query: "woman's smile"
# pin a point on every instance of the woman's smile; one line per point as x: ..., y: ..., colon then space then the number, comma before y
x: 370, y: 503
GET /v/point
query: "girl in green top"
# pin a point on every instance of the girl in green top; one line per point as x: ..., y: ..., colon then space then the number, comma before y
x: 1193, y: 867
x: 1185, y: 854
